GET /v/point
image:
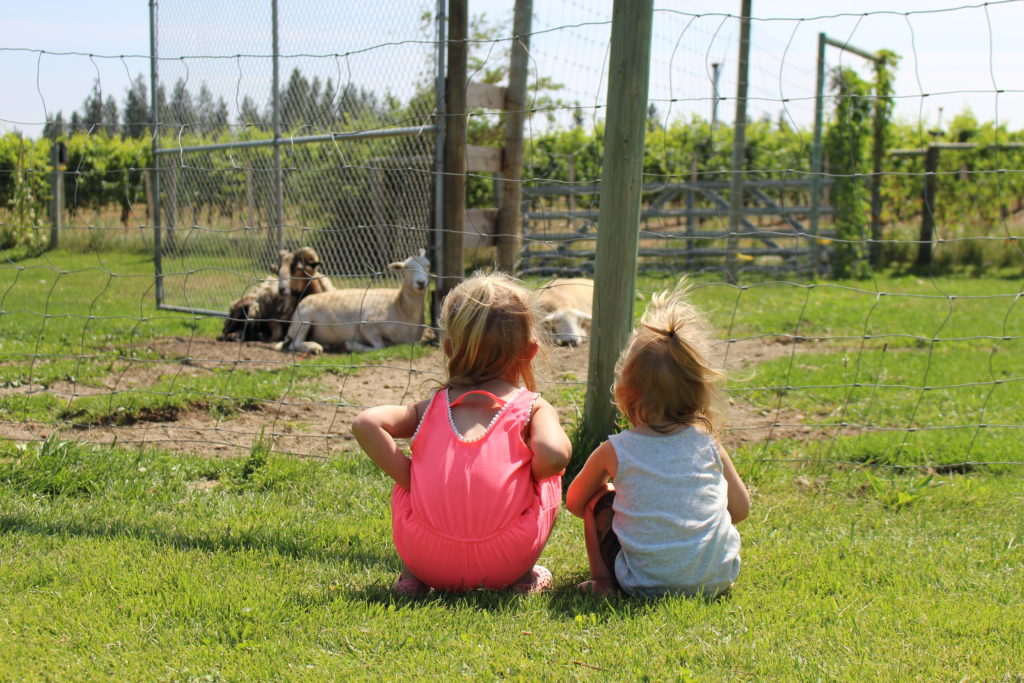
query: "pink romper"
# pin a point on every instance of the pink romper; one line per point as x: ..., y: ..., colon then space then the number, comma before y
x: 473, y: 516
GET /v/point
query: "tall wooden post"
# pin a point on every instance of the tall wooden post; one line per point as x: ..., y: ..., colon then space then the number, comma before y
x: 924, y: 248
x: 877, y: 152
x: 451, y: 269
x: 510, y: 229
x: 619, y: 217
x: 58, y: 160
x: 739, y: 145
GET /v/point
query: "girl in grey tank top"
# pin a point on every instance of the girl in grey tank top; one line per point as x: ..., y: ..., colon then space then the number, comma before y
x: 667, y: 523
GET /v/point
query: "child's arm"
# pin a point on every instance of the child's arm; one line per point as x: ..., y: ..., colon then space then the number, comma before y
x: 597, y: 470
x: 739, y: 497
x: 376, y: 430
x: 548, y: 441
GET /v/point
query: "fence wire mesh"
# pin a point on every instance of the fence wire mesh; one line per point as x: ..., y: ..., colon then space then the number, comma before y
x: 320, y: 151
x: 903, y: 364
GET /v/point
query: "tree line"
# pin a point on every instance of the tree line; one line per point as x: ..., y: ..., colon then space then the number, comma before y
x: 304, y: 102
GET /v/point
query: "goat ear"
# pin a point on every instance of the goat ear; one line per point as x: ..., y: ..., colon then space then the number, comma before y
x: 397, y: 265
x: 549, y: 317
x: 586, y: 317
x: 282, y: 253
x: 423, y: 253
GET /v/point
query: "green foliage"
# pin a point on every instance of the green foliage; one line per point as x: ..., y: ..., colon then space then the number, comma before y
x: 24, y: 190
x: 977, y: 190
x: 896, y: 493
x: 844, y: 145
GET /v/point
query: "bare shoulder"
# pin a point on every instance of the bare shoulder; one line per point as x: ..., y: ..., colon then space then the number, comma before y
x: 540, y: 403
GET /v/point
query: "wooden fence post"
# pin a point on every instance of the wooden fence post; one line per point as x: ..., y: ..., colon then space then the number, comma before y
x: 924, y: 247
x: 739, y: 144
x: 58, y: 160
x: 452, y: 267
x: 510, y: 229
x: 619, y: 216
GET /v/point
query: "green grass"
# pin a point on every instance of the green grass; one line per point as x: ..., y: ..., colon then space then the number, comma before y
x: 81, y: 318
x: 141, y: 565
x: 120, y: 565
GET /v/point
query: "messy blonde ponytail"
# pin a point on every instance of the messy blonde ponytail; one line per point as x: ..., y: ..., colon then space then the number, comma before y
x: 664, y: 376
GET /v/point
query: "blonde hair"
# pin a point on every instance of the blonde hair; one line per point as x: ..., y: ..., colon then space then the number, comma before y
x: 489, y: 320
x: 664, y: 377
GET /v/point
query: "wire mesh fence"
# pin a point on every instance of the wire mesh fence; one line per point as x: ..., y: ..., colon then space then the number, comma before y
x: 902, y: 364
x: 321, y: 153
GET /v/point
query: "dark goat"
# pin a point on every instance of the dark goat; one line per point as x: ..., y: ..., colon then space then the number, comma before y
x: 263, y: 313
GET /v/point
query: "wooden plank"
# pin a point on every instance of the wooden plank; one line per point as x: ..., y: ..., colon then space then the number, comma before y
x: 483, y: 159
x: 510, y: 192
x: 485, y: 96
x: 479, y: 228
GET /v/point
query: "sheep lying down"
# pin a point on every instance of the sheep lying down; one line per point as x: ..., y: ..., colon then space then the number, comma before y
x: 567, y: 305
x: 263, y: 313
x: 362, y: 319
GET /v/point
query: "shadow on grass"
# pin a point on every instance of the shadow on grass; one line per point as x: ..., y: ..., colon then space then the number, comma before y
x: 562, y: 601
x: 243, y: 540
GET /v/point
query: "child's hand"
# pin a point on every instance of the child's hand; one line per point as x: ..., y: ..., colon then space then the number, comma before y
x: 601, y: 466
x: 739, y: 497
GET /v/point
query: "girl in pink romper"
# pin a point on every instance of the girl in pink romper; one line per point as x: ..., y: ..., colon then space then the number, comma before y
x: 476, y: 502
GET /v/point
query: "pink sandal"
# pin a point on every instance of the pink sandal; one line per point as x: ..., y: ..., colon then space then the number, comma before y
x: 541, y: 581
x: 411, y: 587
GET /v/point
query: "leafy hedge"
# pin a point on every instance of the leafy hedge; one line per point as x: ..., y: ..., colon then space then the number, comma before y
x: 976, y: 188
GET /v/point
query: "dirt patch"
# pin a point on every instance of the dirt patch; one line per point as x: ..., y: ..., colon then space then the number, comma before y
x: 317, y: 426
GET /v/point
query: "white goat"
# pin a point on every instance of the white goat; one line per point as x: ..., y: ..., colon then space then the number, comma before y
x: 567, y: 305
x: 362, y: 319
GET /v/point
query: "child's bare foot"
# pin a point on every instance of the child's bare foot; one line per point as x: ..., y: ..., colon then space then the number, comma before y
x: 598, y: 587
x: 409, y: 586
x: 536, y: 580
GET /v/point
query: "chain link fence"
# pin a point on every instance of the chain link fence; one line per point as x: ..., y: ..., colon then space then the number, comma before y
x: 331, y: 141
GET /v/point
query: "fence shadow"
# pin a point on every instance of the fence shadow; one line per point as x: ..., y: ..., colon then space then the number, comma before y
x: 247, y: 541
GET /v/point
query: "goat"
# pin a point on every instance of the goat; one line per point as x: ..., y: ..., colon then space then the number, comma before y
x: 262, y: 313
x: 567, y: 305
x: 362, y: 319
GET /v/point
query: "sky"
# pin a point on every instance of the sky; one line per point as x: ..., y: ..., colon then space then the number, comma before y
x: 955, y: 54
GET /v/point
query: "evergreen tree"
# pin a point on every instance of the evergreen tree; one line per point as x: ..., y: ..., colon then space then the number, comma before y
x: 181, y: 110
x: 92, y: 109
x: 109, y: 117
x: 55, y: 127
x: 295, y: 99
x: 219, y: 118
x: 135, y: 116
x: 249, y: 114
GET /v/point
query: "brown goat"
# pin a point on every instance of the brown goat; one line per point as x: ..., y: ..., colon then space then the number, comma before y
x: 263, y: 313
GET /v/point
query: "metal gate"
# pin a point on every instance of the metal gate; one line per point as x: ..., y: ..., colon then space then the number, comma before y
x: 312, y: 125
x: 684, y: 227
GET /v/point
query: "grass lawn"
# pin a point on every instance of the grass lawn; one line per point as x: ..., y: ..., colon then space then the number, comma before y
x: 140, y: 565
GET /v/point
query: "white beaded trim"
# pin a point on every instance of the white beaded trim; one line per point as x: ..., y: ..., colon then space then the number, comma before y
x: 455, y: 431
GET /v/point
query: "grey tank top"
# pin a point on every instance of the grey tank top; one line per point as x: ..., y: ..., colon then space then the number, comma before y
x: 671, y: 515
